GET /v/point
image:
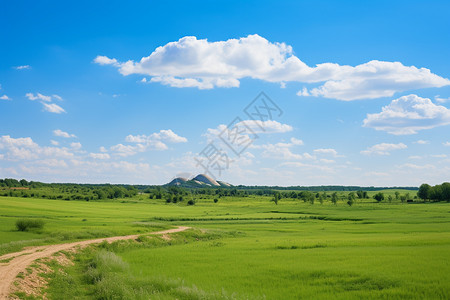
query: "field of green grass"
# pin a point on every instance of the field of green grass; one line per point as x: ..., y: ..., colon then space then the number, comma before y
x: 243, y: 248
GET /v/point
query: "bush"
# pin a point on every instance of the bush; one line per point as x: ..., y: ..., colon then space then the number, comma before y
x: 25, y: 224
x: 191, y: 202
x: 216, y: 200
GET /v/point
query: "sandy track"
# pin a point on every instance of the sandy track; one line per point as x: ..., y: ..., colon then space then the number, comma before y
x: 21, y: 260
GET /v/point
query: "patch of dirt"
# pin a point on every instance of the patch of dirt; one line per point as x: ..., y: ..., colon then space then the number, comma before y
x: 18, y: 262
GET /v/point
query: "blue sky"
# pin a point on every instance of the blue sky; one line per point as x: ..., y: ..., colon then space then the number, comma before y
x: 363, y: 89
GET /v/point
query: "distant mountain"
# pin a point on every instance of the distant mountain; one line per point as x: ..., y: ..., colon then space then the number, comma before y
x: 201, y: 180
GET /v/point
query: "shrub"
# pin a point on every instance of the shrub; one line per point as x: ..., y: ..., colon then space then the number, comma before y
x: 191, y: 202
x: 216, y: 200
x: 25, y: 224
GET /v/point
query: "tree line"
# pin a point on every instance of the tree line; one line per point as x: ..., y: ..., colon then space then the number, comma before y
x: 439, y: 192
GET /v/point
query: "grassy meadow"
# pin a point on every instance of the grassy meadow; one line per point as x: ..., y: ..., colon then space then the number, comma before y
x: 242, y: 248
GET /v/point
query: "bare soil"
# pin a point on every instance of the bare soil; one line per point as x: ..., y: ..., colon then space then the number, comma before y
x: 19, y: 261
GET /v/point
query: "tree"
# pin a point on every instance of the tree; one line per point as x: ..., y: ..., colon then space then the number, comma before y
x: 334, y: 198
x: 424, y: 191
x: 397, y: 195
x: 379, y: 197
x: 351, y: 198
x: 276, y: 197
x: 360, y: 194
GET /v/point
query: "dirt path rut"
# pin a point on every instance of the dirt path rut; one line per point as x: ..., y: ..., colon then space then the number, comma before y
x: 19, y: 261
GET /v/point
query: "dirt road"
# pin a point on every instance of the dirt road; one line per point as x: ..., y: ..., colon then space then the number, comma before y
x: 19, y: 261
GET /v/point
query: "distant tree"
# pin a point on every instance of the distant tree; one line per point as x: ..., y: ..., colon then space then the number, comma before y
x: 276, y: 198
x: 397, y: 195
x: 390, y: 198
x: 379, y: 196
x: 424, y: 191
x: 446, y: 191
x: 334, y: 198
x: 216, y: 200
x: 351, y: 198
x: 360, y: 194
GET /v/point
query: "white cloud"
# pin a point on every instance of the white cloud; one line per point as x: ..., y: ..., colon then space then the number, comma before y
x: 283, y: 150
x: 168, y: 136
x: 75, y: 145
x: 51, y: 162
x: 103, y: 60
x: 255, y: 126
x: 142, y: 143
x: 416, y: 167
x: 280, y: 151
x: 103, y: 149
x: 26, y: 149
x: 407, y: 115
x: 192, y: 62
x: 439, y: 155
x: 50, y: 107
x: 297, y: 142
x: 53, y: 108
x: 126, y: 150
x: 100, y: 155
x: 24, y: 67
x: 269, y: 126
x: 38, y: 96
x: 327, y: 161
x: 4, y: 97
x: 60, y: 133
x: 303, y: 92
x: 440, y: 99
x: 446, y: 144
x: 421, y: 142
x: 383, y: 149
x: 331, y: 152
x: 54, y: 143
x: 57, y: 97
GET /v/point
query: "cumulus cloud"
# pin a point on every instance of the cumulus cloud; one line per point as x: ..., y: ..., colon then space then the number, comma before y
x: 251, y: 127
x: 75, y: 145
x: 142, y: 143
x: 27, y: 149
x: 192, y: 62
x: 103, y: 60
x: 4, y: 97
x: 328, y: 151
x: 269, y: 126
x: 446, y: 144
x: 407, y: 115
x: 100, y: 155
x: 383, y: 149
x: 60, y: 133
x: 283, y: 151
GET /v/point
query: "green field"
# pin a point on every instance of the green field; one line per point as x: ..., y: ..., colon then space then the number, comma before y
x: 243, y: 248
